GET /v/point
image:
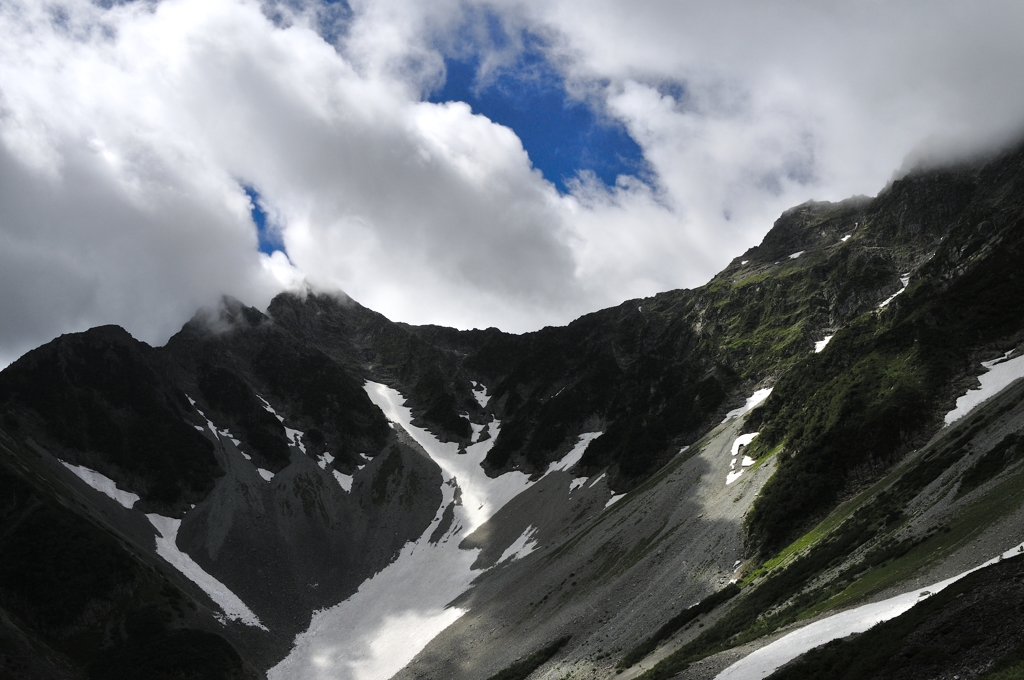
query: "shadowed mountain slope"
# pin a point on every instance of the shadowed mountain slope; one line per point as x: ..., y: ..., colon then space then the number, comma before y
x: 250, y: 463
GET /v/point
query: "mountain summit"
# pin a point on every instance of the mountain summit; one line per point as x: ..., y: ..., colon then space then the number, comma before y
x: 832, y: 423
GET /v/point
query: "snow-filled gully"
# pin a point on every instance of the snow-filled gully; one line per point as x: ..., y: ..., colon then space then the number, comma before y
x: 397, y: 612
x: 765, y: 661
x: 166, y: 547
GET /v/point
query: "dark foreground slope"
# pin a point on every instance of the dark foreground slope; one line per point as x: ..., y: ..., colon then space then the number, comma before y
x: 255, y: 431
x: 972, y: 629
x: 77, y: 602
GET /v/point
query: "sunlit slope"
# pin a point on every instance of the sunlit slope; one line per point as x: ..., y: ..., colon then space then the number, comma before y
x: 589, y: 479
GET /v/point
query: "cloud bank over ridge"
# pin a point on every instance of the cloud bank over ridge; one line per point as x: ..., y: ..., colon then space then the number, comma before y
x: 129, y: 135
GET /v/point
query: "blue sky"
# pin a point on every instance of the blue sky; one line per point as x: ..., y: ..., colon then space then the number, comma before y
x: 268, y: 239
x: 143, y: 146
x: 563, y: 135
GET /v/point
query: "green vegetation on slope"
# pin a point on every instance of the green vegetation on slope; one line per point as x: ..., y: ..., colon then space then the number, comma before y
x: 878, y: 389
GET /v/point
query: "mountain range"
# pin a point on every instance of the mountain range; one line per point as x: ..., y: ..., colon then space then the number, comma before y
x: 828, y: 434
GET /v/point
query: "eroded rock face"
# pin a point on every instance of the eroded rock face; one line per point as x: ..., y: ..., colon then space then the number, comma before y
x: 256, y: 431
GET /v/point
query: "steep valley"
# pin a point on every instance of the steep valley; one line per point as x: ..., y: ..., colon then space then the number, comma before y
x: 655, y: 490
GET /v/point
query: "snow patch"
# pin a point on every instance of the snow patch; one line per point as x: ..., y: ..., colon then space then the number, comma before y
x: 325, y: 460
x: 265, y: 474
x: 268, y: 407
x: 765, y: 661
x: 734, y: 472
x: 105, y: 485
x: 345, y: 481
x: 523, y: 546
x: 599, y: 478
x: 397, y: 612
x: 577, y: 483
x: 1001, y: 372
x: 845, y: 238
x: 480, y: 392
x: 797, y: 254
x: 295, y: 437
x: 821, y: 344
x: 614, y: 499
x: 743, y: 262
x: 574, y: 456
x: 742, y: 440
x: 166, y: 547
x: 905, y: 280
x: 752, y: 401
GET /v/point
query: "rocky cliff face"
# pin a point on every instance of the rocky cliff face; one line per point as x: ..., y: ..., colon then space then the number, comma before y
x: 263, y: 466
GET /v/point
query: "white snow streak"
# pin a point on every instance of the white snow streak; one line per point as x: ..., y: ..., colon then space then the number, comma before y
x: 796, y: 254
x: 742, y: 440
x: 233, y: 607
x: 345, y: 481
x: 103, y: 484
x: 845, y: 238
x: 752, y: 401
x: 265, y: 474
x: 269, y: 408
x: 905, y: 280
x: 733, y: 476
x: 735, y: 473
x: 1001, y: 372
x: 295, y: 437
x: 614, y: 499
x: 764, y: 662
x: 523, y: 546
x: 480, y: 392
x: 821, y: 344
x: 574, y: 456
x: 380, y: 628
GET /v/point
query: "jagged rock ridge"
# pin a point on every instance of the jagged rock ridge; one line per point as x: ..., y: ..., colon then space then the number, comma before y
x: 255, y: 430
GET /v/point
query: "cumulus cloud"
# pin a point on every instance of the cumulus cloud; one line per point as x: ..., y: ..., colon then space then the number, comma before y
x: 128, y: 135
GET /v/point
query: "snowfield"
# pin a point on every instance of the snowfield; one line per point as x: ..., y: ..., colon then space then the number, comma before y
x: 905, y: 280
x: 103, y: 484
x: 1001, y: 372
x: 737, y: 472
x: 523, y: 546
x: 765, y: 661
x: 752, y: 401
x: 397, y: 612
x: 167, y: 534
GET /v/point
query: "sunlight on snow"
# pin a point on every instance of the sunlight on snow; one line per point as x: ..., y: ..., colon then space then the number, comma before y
x: 523, y: 546
x: 752, y: 401
x: 1001, y: 372
x: 763, y: 662
x: 394, y: 614
x: 736, y: 472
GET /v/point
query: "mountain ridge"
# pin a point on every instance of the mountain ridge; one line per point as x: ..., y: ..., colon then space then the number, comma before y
x: 259, y: 432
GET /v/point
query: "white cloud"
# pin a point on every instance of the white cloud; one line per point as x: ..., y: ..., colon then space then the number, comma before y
x: 125, y: 134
